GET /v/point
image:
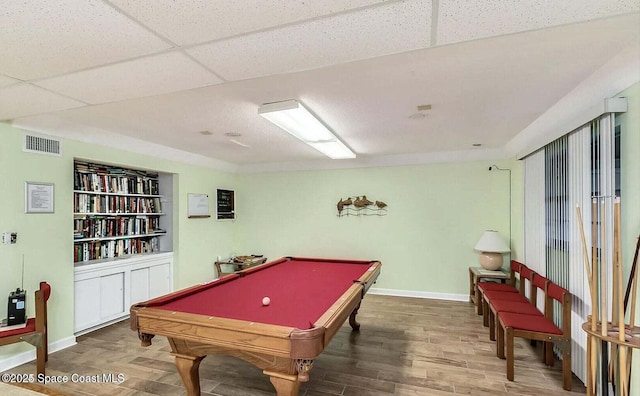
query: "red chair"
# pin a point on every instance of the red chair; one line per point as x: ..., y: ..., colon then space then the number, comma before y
x: 507, y: 303
x: 35, y: 332
x: 513, y: 325
x: 508, y: 287
x: 490, y: 295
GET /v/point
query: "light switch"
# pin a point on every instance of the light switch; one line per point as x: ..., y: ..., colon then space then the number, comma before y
x: 9, y: 238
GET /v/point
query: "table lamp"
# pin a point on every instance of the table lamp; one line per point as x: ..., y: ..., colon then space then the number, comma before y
x: 492, y: 246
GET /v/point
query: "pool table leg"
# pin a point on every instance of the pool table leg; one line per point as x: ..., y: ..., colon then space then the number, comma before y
x: 286, y: 385
x: 188, y: 368
x: 352, y: 318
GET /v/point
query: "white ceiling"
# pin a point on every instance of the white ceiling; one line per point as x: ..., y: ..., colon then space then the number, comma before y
x: 124, y: 72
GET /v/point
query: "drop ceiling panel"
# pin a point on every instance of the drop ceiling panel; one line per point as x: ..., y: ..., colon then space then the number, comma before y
x: 192, y: 22
x: 47, y: 38
x: 388, y: 29
x: 152, y: 75
x: 25, y: 99
x: 175, y: 120
x: 6, y: 81
x: 461, y: 20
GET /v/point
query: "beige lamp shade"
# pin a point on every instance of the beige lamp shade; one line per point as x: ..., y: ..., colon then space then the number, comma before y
x: 492, y: 246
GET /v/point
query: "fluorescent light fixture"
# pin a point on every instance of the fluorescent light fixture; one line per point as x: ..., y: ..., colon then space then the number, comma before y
x: 297, y: 120
x: 333, y: 150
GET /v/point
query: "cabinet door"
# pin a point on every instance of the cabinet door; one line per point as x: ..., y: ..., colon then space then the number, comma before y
x: 112, y: 295
x: 159, y: 280
x: 87, y: 303
x: 139, y: 285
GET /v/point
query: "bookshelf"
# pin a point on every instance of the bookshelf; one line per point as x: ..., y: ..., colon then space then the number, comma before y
x: 117, y: 212
x: 122, y: 241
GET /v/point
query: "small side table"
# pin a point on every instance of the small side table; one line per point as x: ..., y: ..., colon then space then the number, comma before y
x: 477, y: 273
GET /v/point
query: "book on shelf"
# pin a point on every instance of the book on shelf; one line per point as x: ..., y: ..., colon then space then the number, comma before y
x: 116, y: 211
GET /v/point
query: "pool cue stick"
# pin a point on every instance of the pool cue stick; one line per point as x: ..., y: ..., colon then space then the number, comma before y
x: 604, y: 316
x: 587, y: 265
x: 594, y: 275
x: 631, y: 274
x: 622, y: 351
x: 632, y: 314
x: 632, y: 311
x: 592, y: 294
x: 615, y: 282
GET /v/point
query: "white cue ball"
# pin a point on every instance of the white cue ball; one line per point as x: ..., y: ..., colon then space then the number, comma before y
x: 266, y: 301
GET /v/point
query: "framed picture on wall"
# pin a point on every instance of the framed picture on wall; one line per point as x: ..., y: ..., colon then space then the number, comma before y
x: 225, y: 205
x: 198, y: 206
x: 38, y: 197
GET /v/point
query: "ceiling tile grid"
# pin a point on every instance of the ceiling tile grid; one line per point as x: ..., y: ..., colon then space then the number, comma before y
x: 25, y: 99
x: 179, y: 117
x: 151, y: 75
x: 462, y: 20
x: 52, y: 37
x: 152, y: 70
x: 198, y: 21
x: 372, y: 32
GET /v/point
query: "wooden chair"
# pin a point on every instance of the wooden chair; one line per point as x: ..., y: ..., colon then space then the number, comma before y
x: 500, y: 302
x: 490, y: 295
x: 35, y: 332
x: 509, y: 286
x: 513, y: 325
x: 238, y: 266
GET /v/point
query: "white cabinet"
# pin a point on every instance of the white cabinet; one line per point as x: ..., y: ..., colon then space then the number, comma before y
x: 112, y: 295
x: 139, y: 285
x: 160, y: 281
x: 105, y: 291
x: 86, y: 301
x: 151, y: 282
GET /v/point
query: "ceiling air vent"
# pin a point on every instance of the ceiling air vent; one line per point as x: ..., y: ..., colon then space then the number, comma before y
x: 40, y: 145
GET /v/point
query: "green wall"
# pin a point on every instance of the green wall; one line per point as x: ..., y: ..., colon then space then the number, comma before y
x: 435, y: 215
x: 46, y: 240
x: 630, y: 180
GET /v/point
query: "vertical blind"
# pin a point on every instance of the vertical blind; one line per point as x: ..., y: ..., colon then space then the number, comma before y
x: 556, y: 211
x: 579, y: 195
x: 566, y: 173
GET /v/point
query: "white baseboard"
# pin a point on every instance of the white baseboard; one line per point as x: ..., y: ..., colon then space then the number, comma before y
x: 25, y: 357
x: 419, y: 294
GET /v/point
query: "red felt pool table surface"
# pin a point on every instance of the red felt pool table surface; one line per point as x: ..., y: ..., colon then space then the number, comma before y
x: 301, y: 290
x: 310, y: 301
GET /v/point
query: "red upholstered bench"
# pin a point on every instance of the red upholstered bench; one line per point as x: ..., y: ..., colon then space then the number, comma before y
x: 35, y: 332
x: 533, y: 327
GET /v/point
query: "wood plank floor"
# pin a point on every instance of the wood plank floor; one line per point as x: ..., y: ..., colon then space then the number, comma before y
x: 406, y: 346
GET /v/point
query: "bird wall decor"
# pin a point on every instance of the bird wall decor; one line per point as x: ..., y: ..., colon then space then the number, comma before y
x: 380, y: 204
x: 360, y: 205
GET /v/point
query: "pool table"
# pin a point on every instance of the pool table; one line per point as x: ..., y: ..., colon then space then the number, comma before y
x: 310, y: 299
